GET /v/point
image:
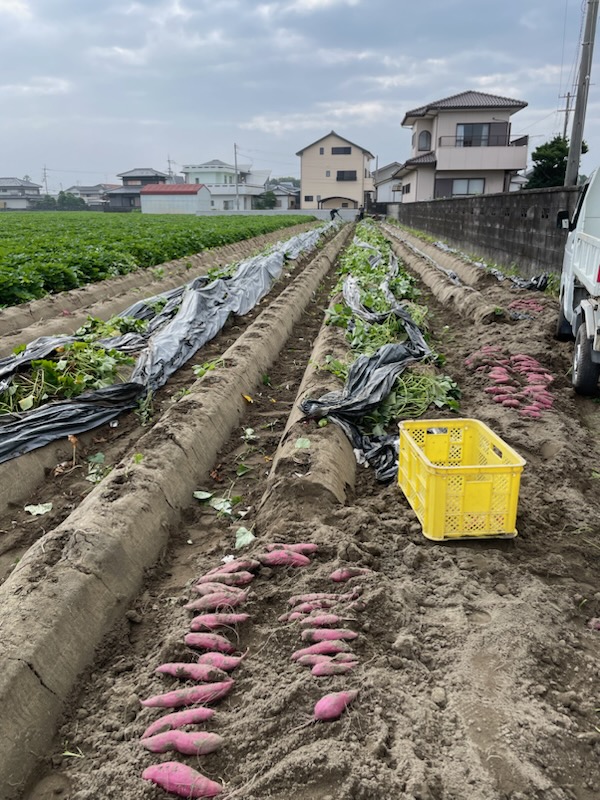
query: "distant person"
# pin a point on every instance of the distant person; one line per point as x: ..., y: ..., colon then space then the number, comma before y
x: 361, y: 213
x: 333, y: 213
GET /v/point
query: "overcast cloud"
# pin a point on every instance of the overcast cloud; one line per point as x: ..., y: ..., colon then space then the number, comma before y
x: 91, y: 88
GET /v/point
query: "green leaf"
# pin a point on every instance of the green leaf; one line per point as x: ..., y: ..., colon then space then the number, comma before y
x: 36, y: 511
x: 203, y: 496
x: 221, y: 504
x: 26, y: 403
x: 323, y: 423
x: 98, y: 458
x: 302, y: 444
x: 243, y: 537
x: 243, y: 469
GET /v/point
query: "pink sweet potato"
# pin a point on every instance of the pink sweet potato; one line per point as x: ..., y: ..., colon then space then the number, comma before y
x: 192, y: 672
x: 326, y: 670
x: 238, y: 565
x: 328, y: 648
x: 220, y: 661
x: 181, y: 780
x: 241, y: 578
x: 320, y: 620
x: 333, y: 705
x: 216, y: 586
x: 283, y: 558
x: 198, y: 743
x: 310, y: 597
x: 205, y: 693
x: 314, y: 605
x: 178, y: 719
x: 208, y: 622
x: 306, y: 548
x: 310, y: 659
x: 327, y: 634
x: 345, y: 573
x: 209, y: 641
x: 216, y: 600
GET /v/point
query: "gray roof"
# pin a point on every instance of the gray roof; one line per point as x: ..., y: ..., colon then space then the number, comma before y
x: 333, y: 133
x: 126, y: 190
x: 10, y: 182
x: 425, y: 160
x: 142, y: 172
x: 385, y: 173
x: 97, y: 187
x: 466, y: 100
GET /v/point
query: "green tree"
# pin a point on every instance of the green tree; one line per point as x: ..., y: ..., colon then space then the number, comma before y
x: 67, y: 201
x: 45, y: 203
x: 286, y: 179
x: 550, y: 163
x: 266, y: 200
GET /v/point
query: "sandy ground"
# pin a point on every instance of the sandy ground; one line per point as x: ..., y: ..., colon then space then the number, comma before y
x: 477, y: 670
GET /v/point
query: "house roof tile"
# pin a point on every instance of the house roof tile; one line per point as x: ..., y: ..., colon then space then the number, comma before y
x: 463, y: 100
x: 172, y: 188
x: 141, y: 172
x: 9, y: 182
x: 333, y: 133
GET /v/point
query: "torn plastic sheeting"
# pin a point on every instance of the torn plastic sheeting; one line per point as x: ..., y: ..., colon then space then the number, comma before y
x: 57, y: 420
x: 538, y: 283
x: 370, y: 380
x: 193, y: 314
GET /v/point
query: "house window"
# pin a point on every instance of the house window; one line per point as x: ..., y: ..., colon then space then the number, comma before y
x: 341, y: 151
x: 406, y: 188
x: 197, y: 180
x: 473, y: 134
x: 321, y: 151
x: 425, y: 141
x: 308, y: 198
x: 344, y: 205
x: 328, y: 173
x: 458, y: 187
x: 346, y: 175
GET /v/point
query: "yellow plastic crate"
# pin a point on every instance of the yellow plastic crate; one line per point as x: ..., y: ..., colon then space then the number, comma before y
x: 460, y: 478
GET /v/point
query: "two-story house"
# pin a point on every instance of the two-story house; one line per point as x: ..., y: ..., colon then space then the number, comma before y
x: 335, y: 173
x: 127, y: 196
x: 230, y: 189
x: 93, y: 195
x: 462, y: 145
x: 18, y: 194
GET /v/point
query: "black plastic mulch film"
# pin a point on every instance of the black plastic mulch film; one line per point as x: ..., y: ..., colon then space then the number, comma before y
x: 193, y: 314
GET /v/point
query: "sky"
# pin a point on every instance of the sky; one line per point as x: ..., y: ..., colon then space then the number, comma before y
x: 92, y: 88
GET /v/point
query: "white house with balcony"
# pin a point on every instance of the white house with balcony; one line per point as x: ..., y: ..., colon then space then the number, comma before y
x: 461, y: 145
x: 230, y: 189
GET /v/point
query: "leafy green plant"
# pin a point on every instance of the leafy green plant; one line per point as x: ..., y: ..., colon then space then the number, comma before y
x: 97, y: 468
x: 77, y: 368
x: 201, y: 369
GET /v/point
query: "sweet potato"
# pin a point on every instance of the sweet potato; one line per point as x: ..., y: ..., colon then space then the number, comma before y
x: 283, y: 558
x: 208, y: 622
x: 314, y: 605
x: 250, y: 564
x: 345, y: 573
x: 326, y: 670
x: 310, y: 659
x: 241, y: 578
x: 192, y: 672
x: 221, y: 661
x: 327, y: 634
x: 209, y: 641
x: 181, y: 780
x: 310, y: 597
x: 178, y: 719
x: 205, y: 693
x: 333, y: 705
x: 320, y: 620
x: 216, y: 600
x: 198, y: 743
x: 215, y: 586
x: 306, y: 548
x: 328, y: 648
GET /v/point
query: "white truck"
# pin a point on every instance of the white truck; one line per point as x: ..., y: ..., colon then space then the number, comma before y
x: 579, y: 314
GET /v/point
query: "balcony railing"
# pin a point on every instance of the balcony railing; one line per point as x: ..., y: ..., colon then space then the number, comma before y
x: 503, y: 140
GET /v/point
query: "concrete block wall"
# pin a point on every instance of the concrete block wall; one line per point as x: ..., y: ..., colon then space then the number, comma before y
x: 509, y: 229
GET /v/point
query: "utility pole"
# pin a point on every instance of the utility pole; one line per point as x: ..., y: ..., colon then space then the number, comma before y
x: 583, y: 87
x: 237, y: 181
x: 566, y: 112
x: 45, y: 180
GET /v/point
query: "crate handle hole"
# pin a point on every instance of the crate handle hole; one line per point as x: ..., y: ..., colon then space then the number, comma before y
x: 497, y: 451
x: 437, y: 430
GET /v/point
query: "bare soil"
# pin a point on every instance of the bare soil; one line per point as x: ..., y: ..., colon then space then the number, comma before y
x: 477, y: 670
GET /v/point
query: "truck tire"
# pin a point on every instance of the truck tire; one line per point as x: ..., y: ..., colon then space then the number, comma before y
x: 585, y: 371
x: 563, y: 327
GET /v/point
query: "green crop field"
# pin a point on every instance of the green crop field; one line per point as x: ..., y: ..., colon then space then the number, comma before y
x: 45, y: 252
